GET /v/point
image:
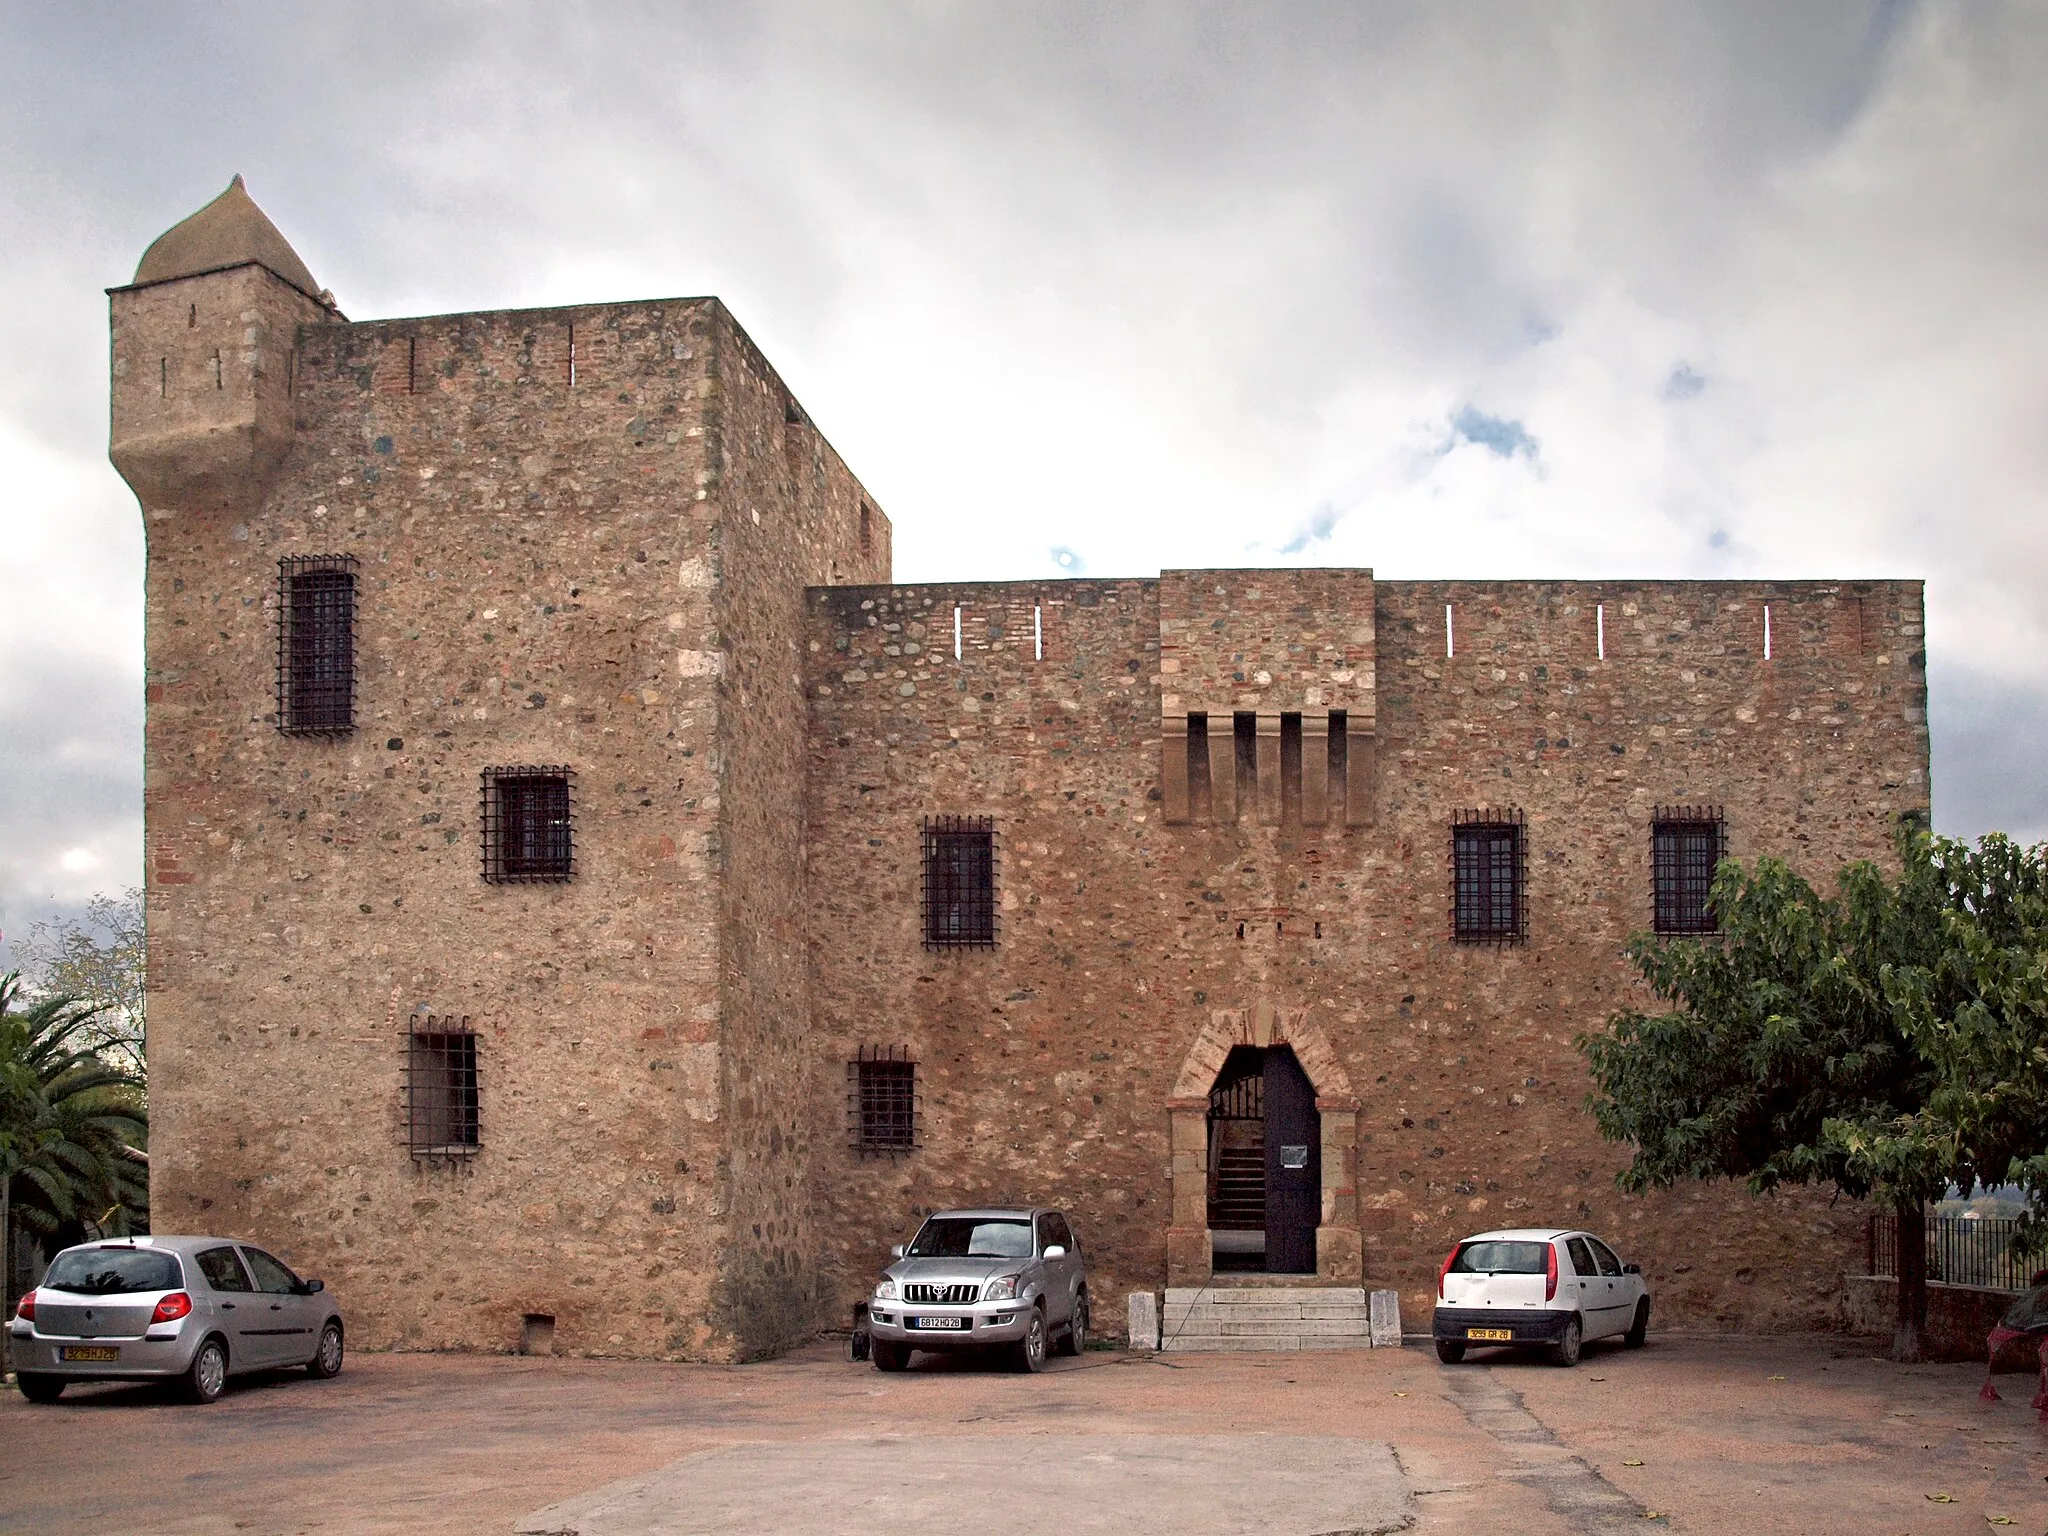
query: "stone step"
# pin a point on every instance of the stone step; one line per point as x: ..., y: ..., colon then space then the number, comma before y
x: 1211, y: 1319
x: 1260, y: 1328
x: 1279, y: 1343
x: 1267, y: 1295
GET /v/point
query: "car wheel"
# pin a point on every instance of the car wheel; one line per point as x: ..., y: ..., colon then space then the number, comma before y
x: 1450, y: 1351
x: 1077, y: 1330
x: 1566, y: 1350
x: 207, y: 1376
x: 889, y: 1357
x: 39, y: 1388
x: 326, y: 1360
x: 1031, y: 1352
x: 1640, y: 1328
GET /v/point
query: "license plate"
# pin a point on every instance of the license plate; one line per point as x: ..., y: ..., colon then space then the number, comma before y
x: 953, y: 1323
x: 1491, y: 1335
x: 97, y: 1352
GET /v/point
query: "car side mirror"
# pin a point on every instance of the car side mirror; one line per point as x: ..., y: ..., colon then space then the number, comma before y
x: 896, y: 1252
x: 312, y: 1287
x: 1631, y: 1269
x: 1055, y: 1251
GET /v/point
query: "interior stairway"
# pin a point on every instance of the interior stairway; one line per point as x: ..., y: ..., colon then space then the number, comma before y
x: 1269, y: 1317
x: 1240, y: 1201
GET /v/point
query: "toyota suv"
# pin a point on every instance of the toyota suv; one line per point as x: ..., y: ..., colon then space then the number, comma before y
x: 1006, y: 1278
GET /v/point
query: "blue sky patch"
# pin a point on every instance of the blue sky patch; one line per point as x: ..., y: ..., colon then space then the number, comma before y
x: 1495, y: 433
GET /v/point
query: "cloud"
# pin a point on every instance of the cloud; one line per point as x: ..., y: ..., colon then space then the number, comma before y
x: 1172, y: 284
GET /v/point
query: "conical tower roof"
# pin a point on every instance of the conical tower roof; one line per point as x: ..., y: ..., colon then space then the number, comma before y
x: 228, y: 232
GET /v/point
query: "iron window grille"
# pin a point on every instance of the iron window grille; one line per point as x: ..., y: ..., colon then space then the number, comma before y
x: 882, y: 1113
x: 1687, y: 843
x: 441, y: 1088
x: 1489, y: 878
x: 527, y: 825
x: 316, y: 645
x: 959, y: 897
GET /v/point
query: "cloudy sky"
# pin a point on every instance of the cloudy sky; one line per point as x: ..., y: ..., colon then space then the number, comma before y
x: 1469, y: 290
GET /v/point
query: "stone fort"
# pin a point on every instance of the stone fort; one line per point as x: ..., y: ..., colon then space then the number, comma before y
x: 591, y: 906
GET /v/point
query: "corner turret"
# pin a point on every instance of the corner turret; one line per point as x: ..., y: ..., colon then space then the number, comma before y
x: 203, y: 341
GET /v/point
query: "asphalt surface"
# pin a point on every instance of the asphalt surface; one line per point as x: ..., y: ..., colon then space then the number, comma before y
x: 1693, y: 1433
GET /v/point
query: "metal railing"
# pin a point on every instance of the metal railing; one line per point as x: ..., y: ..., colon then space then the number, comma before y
x: 1961, y: 1250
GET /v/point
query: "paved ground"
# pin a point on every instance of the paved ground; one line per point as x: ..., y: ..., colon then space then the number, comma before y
x: 1791, y: 1435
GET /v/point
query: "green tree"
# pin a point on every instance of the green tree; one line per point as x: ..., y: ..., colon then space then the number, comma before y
x: 1974, y: 1008
x: 101, y: 960
x: 1783, y: 1032
x: 73, y: 1126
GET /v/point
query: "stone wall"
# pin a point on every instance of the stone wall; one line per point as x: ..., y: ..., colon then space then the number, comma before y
x: 1959, y: 1319
x: 530, y: 496
x: 1047, y: 1064
x: 791, y: 517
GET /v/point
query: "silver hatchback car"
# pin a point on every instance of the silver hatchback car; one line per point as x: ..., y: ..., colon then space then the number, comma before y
x: 1011, y: 1278
x: 196, y: 1310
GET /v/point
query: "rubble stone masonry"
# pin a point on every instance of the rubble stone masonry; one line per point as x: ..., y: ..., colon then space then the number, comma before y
x: 609, y: 538
x: 1048, y: 1064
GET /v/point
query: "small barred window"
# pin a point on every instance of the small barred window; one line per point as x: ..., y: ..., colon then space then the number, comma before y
x: 1687, y: 843
x: 1488, y: 873
x: 441, y: 1088
x: 316, y: 645
x: 526, y: 825
x: 882, y: 1108
x: 959, y: 882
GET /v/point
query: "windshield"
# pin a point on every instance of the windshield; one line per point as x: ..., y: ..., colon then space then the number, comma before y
x: 108, y: 1271
x: 972, y: 1237
x: 1502, y: 1259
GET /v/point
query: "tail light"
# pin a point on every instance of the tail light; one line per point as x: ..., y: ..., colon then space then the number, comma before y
x: 1449, y: 1259
x: 25, y: 1309
x: 171, y: 1308
x: 1550, y: 1271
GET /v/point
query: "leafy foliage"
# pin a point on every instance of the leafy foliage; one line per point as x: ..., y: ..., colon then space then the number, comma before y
x: 1891, y: 1039
x: 101, y: 960
x: 73, y: 1126
x: 1974, y: 1009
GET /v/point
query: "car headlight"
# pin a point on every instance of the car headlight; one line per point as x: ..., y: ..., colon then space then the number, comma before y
x: 1002, y: 1288
x: 885, y: 1290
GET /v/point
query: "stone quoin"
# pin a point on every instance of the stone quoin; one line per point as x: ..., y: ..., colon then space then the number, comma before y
x: 588, y: 901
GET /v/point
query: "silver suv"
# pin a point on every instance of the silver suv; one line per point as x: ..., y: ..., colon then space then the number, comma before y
x: 1012, y: 1279
x: 194, y: 1310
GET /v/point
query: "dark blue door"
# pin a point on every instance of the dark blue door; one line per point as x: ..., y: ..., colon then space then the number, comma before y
x: 1294, y: 1166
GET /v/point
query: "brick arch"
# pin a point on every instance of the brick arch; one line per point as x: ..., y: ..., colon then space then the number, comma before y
x: 1339, y: 1245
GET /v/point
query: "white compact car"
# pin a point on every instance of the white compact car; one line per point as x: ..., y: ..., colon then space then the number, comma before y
x: 1537, y: 1285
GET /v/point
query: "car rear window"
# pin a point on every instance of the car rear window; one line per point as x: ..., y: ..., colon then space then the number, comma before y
x: 112, y: 1271
x: 1502, y: 1259
x: 972, y: 1237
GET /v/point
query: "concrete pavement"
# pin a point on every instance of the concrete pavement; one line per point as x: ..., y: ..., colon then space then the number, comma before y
x: 1694, y: 1433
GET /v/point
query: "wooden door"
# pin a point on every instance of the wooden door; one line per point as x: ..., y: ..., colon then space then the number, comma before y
x: 1294, y: 1165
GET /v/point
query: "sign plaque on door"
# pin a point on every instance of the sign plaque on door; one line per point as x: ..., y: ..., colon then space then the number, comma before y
x: 1293, y: 1157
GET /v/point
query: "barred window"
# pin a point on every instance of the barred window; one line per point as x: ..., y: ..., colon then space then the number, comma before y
x: 441, y: 1088
x: 526, y: 825
x: 316, y: 645
x: 959, y: 882
x: 1687, y: 842
x: 1488, y: 870
x: 882, y: 1108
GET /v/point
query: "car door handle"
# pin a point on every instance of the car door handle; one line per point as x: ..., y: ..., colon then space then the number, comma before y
x: 227, y: 1306
x: 276, y: 1306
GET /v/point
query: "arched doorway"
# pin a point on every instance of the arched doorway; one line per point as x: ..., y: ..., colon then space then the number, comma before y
x: 1319, y: 1104
x: 1265, y: 1163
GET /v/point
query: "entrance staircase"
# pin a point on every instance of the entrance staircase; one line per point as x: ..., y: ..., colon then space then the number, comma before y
x: 1268, y: 1317
x: 1239, y: 1204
